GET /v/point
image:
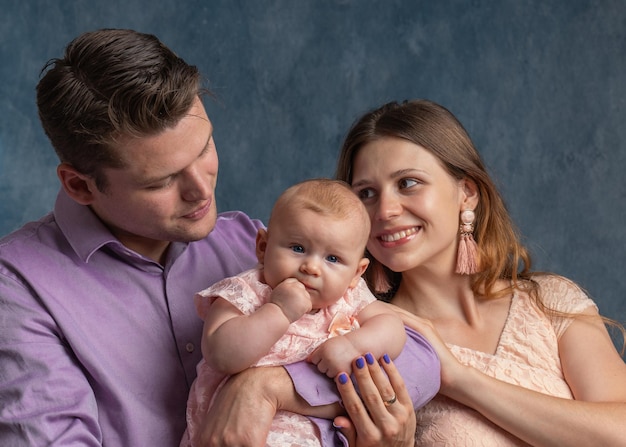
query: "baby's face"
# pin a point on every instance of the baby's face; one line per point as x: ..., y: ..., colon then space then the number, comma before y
x: 323, y: 253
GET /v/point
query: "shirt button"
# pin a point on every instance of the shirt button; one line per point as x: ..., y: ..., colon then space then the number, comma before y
x: 190, y: 347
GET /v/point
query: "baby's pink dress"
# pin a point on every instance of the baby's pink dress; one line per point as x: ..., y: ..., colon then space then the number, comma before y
x: 527, y: 355
x: 247, y: 293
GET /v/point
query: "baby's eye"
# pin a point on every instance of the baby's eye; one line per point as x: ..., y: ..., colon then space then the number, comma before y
x: 332, y: 258
x: 297, y: 248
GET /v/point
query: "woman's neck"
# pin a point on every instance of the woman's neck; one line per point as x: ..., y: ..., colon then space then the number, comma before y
x: 459, y: 316
x: 436, y: 296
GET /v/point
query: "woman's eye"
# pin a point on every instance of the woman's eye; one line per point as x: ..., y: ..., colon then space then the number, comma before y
x: 365, y: 193
x: 407, y: 183
x: 297, y: 248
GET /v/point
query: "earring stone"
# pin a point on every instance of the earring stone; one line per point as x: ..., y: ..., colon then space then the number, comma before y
x: 467, y: 256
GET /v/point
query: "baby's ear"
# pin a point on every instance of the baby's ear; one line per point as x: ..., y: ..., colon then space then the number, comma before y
x: 361, y: 267
x: 261, y: 244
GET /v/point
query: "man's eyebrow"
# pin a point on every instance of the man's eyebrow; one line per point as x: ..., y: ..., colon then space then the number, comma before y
x: 206, y: 147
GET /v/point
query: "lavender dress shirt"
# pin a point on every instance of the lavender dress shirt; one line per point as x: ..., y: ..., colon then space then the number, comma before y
x: 417, y: 363
x: 99, y: 345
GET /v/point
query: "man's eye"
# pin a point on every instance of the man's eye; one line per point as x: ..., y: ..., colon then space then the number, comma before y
x: 160, y: 185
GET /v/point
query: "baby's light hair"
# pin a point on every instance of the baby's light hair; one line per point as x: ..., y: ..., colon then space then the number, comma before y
x: 326, y: 197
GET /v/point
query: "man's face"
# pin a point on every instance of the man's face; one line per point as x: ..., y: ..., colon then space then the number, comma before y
x: 166, y: 191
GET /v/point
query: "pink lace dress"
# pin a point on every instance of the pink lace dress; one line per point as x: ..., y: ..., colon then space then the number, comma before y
x: 527, y: 355
x: 248, y: 293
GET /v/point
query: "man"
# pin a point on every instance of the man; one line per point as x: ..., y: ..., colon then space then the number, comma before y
x: 99, y: 338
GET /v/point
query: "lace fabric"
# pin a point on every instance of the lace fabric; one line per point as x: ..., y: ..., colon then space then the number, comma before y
x: 527, y: 355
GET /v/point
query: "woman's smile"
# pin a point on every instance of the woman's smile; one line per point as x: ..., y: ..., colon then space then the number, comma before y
x: 399, y: 235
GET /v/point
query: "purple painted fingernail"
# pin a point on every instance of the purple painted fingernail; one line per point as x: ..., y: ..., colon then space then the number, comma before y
x: 369, y: 358
x: 386, y: 359
x: 360, y: 363
x: 343, y: 378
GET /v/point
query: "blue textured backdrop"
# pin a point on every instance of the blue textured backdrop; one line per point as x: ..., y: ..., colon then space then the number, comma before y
x: 540, y: 86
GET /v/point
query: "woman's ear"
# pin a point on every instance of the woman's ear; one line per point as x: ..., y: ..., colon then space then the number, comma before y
x: 77, y: 185
x: 261, y: 244
x: 470, y: 196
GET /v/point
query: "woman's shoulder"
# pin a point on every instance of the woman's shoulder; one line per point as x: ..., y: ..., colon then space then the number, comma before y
x: 547, y: 279
x: 563, y: 299
x: 555, y: 289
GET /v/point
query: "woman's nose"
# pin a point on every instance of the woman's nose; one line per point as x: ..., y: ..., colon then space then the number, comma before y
x: 389, y: 206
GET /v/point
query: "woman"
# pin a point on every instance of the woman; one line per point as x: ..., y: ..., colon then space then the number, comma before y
x: 526, y: 359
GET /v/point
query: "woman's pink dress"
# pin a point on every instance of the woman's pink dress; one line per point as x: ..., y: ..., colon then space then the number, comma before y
x: 527, y: 355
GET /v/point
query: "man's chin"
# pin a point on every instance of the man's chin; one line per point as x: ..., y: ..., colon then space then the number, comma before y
x: 197, y: 234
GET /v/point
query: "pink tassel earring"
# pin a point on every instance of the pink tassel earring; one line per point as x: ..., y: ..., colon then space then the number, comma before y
x: 467, y: 258
x: 379, y: 277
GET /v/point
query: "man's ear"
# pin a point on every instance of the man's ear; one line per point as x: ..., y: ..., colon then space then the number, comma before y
x: 77, y: 185
x: 261, y: 244
x: 470, y: 194
x: 363, y: 263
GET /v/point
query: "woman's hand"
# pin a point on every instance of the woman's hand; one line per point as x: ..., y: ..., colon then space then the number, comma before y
x: 383, y: 414
x: 450, y: 366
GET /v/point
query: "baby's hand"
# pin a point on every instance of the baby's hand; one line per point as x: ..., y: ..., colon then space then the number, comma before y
x: 292, y: 297
x: 334, y: 356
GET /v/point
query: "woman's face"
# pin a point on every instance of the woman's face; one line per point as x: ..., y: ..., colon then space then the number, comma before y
x: 413, y: 203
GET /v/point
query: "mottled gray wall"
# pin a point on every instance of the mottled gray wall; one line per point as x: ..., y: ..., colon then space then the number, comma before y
x: 540, y: 86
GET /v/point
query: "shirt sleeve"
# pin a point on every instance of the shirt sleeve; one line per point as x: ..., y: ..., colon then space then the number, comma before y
x: 46, y: 398
x: 417, y: 363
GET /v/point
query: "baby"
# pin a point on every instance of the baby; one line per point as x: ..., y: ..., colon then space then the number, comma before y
x: 306, y: 300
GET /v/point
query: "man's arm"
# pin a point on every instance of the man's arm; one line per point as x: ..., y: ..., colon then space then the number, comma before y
x: 46, y: 398
x: 246, y: 403
x: 256, y: 393
x: 418, y: 365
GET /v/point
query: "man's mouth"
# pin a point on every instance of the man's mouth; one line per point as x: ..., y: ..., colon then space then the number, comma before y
x: 199, y: 213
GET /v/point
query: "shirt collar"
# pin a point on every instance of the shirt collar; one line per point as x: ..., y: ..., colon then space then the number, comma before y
x: 86, y: 233
x: 82, y: 228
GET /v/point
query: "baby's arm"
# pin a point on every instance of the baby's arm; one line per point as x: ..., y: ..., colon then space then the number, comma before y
x: 232, y: 341
x: 381, y: 332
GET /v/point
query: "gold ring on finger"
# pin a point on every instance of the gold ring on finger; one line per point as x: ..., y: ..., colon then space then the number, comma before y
x: 391, y: 401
